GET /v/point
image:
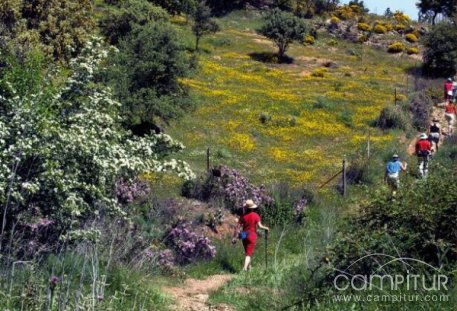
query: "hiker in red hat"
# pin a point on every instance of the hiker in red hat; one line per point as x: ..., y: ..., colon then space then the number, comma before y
x: 250, y: 220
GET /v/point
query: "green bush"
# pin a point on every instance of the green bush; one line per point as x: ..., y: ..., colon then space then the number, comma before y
x: 396, y: 47
x: 440, y: 54
x: 145, y: 74
x: 394, y: 117
x: 380, y: 29
x: 363, y: 27
x: 411, y: 38
x: 412, y: 51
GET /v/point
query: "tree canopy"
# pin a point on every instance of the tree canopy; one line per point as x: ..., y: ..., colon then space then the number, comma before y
x: 283, y: 28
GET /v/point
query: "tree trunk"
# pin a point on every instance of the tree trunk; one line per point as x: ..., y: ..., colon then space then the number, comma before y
x: 435, y: 14
x: 197, y: 42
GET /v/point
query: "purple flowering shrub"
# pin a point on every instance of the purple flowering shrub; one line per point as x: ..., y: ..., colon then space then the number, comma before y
x: 188, y: 246
x: 129, y: 191
x: 233, y: 188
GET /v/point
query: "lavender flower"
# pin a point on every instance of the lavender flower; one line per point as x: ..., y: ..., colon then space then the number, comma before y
x: 128, y: 191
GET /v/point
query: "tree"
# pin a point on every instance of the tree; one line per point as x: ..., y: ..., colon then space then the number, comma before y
x: 60, y: 26
x: 145, y: 74
x: 121, y: 20
x: 62, y: 152
x: 388, y: 13
x: 436, y: 7
x: 203, y: 23
x: 283, y: 28
x: 440, y: 55
x: 176, y: 7
x: 360, y: 4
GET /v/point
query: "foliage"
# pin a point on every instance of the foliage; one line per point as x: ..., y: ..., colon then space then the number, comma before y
x: 402, y: 18
x: 440, y: 54
x: 60, y: 26
x: 319, y: 72
x: 400, y: 28
x: 64, y: 150
x: 203, y: 23
x: 145, y: 74
x: 177, y: 7
x: 396, y: 47
x: 421, y: 107
x: 380, y: 29
x: 228, y: 184
x: 128, y: 191
x: 347, y: 12
x: 118, y: 22
x: 412, y: 50
x: 310, y: 40
x: 283, y: 28
x: 436, y: 7
x: 188, y: 245
x: 393, y: 117
x: 411, y: 38
x: 335, y: 21
x: 363, y: 27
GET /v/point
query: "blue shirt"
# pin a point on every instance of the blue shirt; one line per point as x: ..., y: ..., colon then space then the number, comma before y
x: 393, y: 167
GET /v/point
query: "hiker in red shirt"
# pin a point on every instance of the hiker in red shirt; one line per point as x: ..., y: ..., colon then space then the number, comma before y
x: 423, y: 151
x: 249, y: 221
x: 449, y: 113
x: 448, y: 89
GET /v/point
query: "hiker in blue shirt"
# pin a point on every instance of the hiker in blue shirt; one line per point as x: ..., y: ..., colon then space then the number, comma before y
x: 392, y: 176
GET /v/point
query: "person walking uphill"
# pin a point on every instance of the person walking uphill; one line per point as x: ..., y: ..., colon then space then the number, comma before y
x: 392, y: 176
x: 448, y: 89
x: 250, y: 220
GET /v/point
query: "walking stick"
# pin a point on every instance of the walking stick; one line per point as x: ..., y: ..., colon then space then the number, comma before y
x: 266, y: 250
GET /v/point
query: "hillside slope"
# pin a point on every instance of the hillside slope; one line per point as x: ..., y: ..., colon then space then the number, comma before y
x: 292, y: 122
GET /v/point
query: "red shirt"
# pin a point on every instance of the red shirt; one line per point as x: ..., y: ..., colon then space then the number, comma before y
x: 249, y: 221
x: 450, y: 108
x: 423, y: 145
x: 448, y: 86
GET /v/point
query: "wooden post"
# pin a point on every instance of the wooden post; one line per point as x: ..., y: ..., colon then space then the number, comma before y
x: 395, y: 99
x: 207, y: 159
x: 344, y: 177
x: 369, y: 145
x: 407, y: 84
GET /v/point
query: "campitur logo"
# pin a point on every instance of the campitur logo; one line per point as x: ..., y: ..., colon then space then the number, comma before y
x: 381, y: 285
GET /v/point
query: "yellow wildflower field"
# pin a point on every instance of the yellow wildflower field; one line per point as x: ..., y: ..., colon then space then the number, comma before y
x: 285, y: 122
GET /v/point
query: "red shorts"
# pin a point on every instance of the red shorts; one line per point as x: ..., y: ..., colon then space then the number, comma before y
x: 249, y: 243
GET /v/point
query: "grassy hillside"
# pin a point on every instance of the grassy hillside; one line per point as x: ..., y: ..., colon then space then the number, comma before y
x: 321, y: 105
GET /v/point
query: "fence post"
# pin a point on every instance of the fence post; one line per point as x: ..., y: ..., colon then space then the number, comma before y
x: 344, y: 177
x: 369, y: 145
x: 395, y: 99
x: 207, y: 159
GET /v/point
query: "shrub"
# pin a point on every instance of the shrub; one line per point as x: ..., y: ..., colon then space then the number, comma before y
x: 396, y: 47
x: 323, y: 103
x: 440, y: 54
x: 264, y: 117
x: 335, y: 21
x: 411, y: 38
x: 345, y: 12
x: 400, y: 28
x: 333, y: 42
x: 319, y: 72
x: 393, y: 117
x: 421, y: 106
x: 363, y: 27
x: 412, y: 50
x: 362, y: 39
x: 380, y: 29
x: 346, y: 117
x: 310, y: 40
x: 188, y: 246
x: 401, y: 18
x: 229, y: 185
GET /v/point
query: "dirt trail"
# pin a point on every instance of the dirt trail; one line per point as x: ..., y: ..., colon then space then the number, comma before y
x: 437, y: 113
x: 193, y: 294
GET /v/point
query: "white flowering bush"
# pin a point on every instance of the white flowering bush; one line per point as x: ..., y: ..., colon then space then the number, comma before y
x: 63, y: 148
